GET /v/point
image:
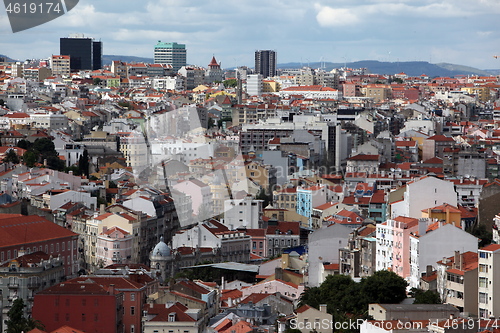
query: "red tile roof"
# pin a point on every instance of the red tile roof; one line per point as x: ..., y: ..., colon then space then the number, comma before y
x: 193, y: 286
x: 162, y: 313
x: 254, y: 298
x: 303, y: 308
x: 334, y: 267
x: 66, y: 329
x: 16, y: 230
x: 241, y: 326
x: 441, y: 138
x: 491, y: 248
x: 283, y: 228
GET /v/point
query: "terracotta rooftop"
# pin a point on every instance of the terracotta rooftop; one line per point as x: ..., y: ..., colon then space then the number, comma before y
x: 16, y: 230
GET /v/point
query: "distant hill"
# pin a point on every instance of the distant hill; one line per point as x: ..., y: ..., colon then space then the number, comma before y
x: 412, y: 68
x: 107, y: 59
x: 7, y: 58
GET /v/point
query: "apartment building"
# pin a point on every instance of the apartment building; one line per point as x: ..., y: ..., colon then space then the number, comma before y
x: 488, y: 275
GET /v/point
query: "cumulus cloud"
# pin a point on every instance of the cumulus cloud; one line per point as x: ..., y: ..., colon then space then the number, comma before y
x: 332, y: 17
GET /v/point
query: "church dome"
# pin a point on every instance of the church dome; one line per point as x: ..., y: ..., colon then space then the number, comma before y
x: 161, y: 249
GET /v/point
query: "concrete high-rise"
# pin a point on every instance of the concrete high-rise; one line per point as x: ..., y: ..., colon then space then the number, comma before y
x: 171, y: 54
x: 84, y: 52
x: 265, y: 63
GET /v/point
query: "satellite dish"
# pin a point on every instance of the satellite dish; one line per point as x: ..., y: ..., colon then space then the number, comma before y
x: 392, y: 169
x: 467, y: 176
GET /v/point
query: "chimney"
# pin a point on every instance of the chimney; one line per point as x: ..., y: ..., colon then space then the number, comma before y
x: 101, y: 209
x: 456, y: 261
x: 322, y: 308
x: 111, y: 289
x: 428, y: 270
x: 461, y: 263
x: 284, y: 260
x: 104, y: 228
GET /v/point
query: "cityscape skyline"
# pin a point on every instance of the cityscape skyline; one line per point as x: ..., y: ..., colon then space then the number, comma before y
x: 460, y: 32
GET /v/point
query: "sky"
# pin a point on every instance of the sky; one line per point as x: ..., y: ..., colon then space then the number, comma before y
x: 464, y: 32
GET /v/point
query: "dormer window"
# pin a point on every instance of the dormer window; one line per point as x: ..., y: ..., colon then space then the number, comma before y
x: 171, y: 317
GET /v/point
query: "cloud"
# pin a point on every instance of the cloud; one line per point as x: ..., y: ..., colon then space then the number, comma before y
x: 484, y: 34
x: 333, y: 17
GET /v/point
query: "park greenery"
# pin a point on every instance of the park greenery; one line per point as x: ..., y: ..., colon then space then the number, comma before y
x: 346, y: 298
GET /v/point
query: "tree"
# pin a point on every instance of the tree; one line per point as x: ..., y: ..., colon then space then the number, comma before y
x: 17, y: 322
x: 263, y: 196
x: 425, y: 297
x: 293, y: 330
x: 346, y: 298
x: 55, y: 163
x: 211, y: 123
x: 480, y: 231
x: 45, y: 147
x: 83, y: 164
x: 24, y: 144
x: 384, y: 287
x: 11, y: 156
x: 30, y: 158
x: 97, y: 81
x: 231, y: 83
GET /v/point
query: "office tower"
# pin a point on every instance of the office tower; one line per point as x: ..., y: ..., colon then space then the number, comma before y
x: 84, y: 52
x: 96, y: 55
x: 265, y: 63
x: 171, y: 54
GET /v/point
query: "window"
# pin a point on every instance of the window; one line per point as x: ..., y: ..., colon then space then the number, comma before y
x: 132, y: 297
x: 483, y: 298
x: 132, y: 329
x: 483, y: 282
x: 483, y: 255
x: 132, y: 310
x: 67, y: 316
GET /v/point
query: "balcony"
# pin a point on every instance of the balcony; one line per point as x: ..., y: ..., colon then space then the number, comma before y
x: 13, y: 285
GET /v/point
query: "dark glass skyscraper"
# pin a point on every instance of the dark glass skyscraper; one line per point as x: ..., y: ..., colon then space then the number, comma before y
x: 265, y: 63
x: 85, y: 53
